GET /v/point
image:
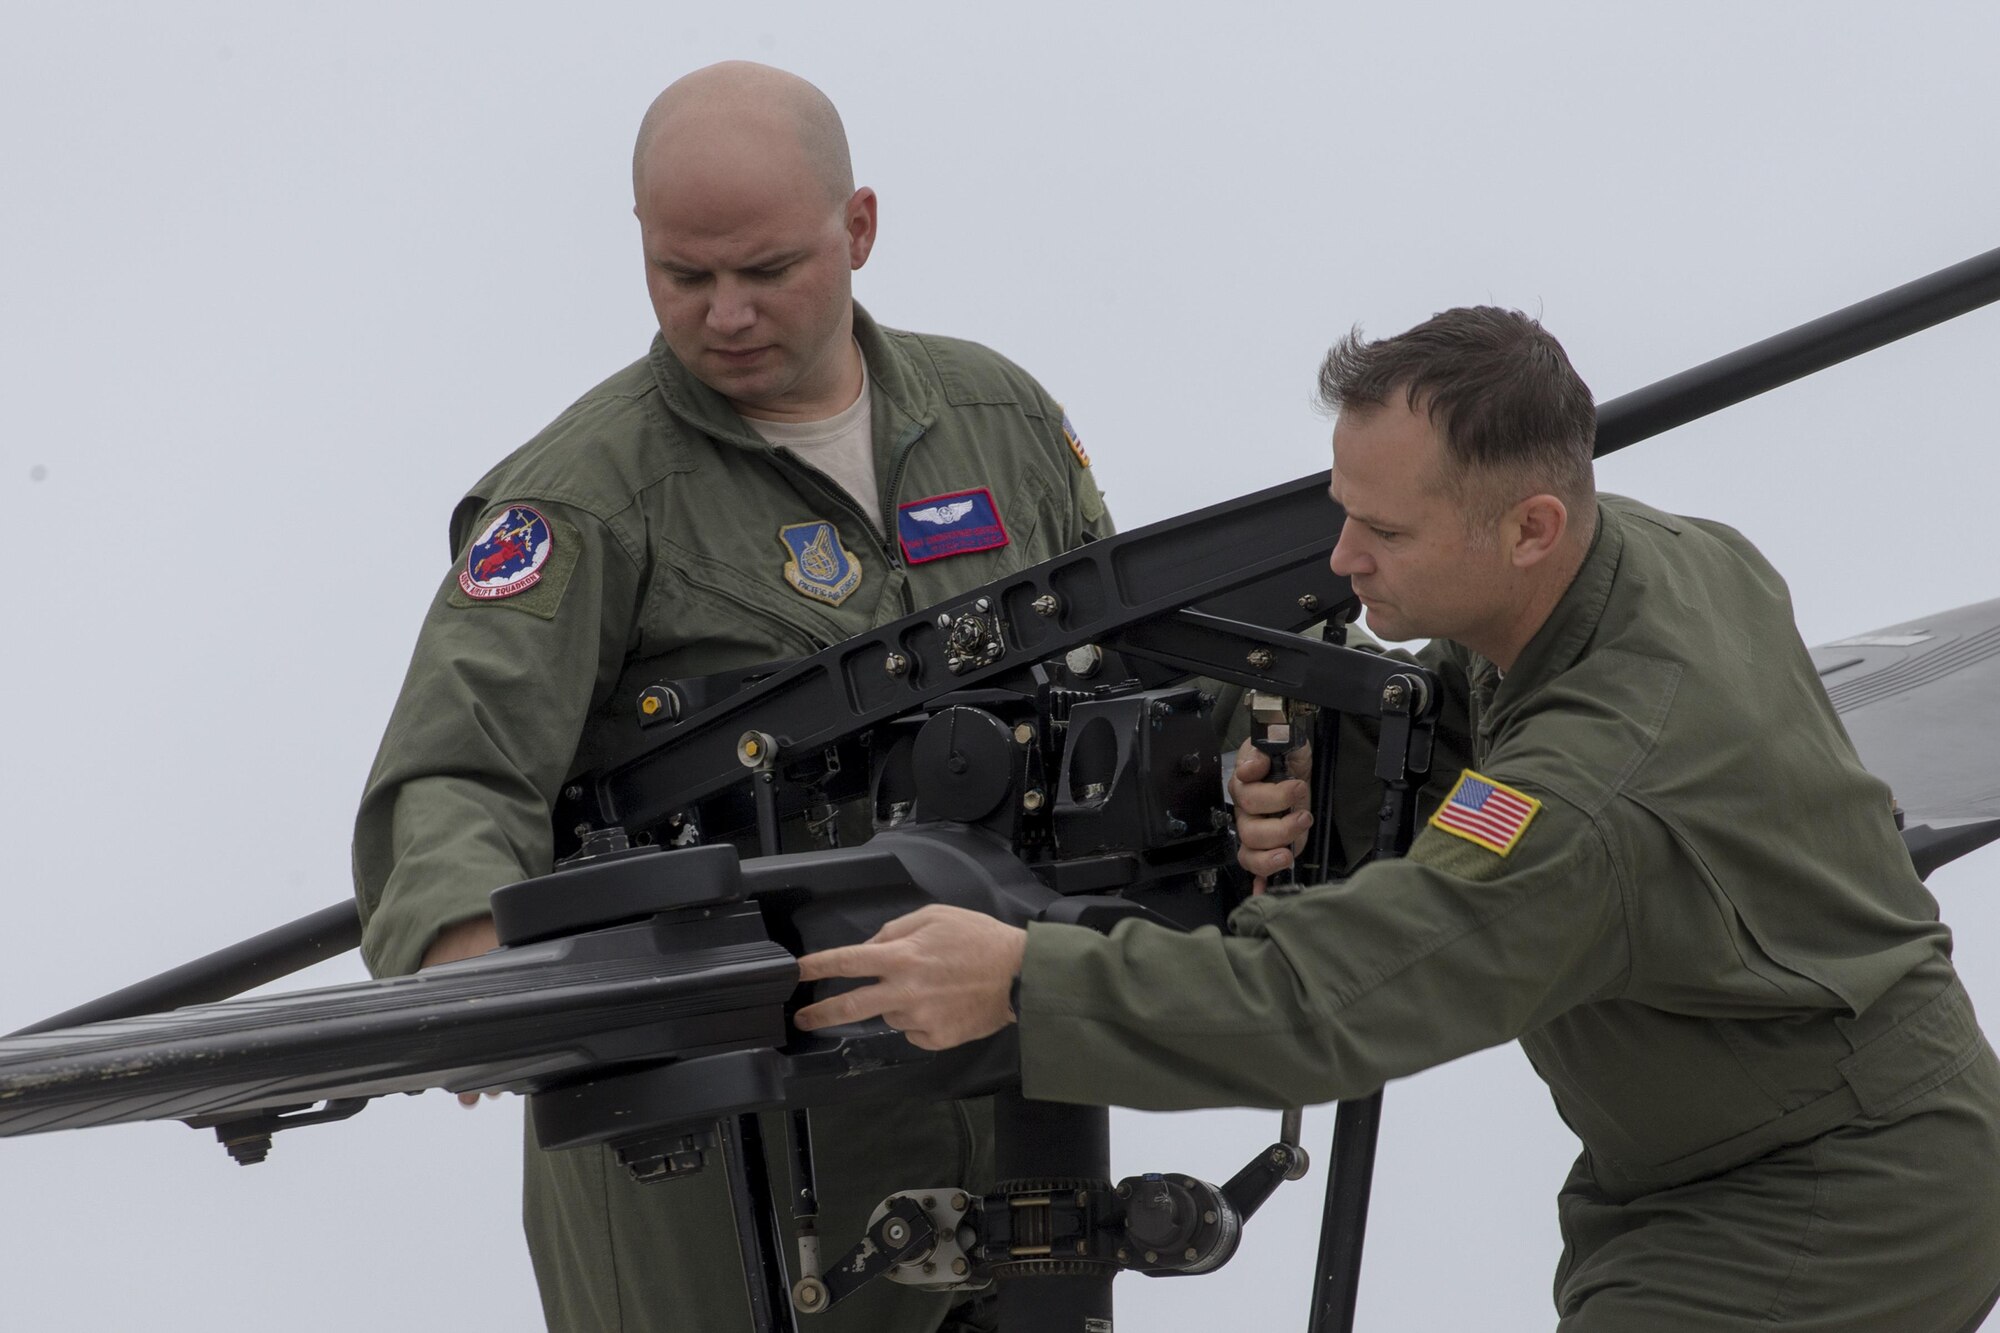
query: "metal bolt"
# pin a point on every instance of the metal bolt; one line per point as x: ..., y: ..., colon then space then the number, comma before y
x: 809, y: 1294
x: 958, y: 1202
x: 929, y: 1203
x: 1279, y: 1156
x: 1024, y: 734
x: 1308, y: 603
x: 944, y: 621
x: 1152, y: 1256
x: 959, y: 1268
x: 1161, y: 708
x: 895, y: 664
x: 1084, y: 661
x: 1046, y: 605
x: 930, y: 1267
x: 1031, y: 799
x: 982, y: 605
x: 572, y: 793
x: 1124, y: 1255
x: 1205, y: 881
x: 1083, y: 1198
x: 1393, y: 694
x: 1176, y: 828
x: 1189, y: 1253
x: 897, y: 1232
x: 1190, y: 763
x: 1124, y: 1191
x: 1261, y: 658
x: 1209, y: 1217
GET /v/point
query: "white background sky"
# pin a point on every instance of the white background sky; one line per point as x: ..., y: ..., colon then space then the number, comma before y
x: 278, y: 282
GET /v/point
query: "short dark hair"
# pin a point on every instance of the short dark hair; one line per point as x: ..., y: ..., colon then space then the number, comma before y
x: 1498, y: 387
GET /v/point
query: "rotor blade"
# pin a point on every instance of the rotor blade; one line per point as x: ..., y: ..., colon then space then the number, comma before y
x: 1784, y: 357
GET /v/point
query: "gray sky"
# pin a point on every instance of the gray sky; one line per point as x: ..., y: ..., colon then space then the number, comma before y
x: 277, y: 283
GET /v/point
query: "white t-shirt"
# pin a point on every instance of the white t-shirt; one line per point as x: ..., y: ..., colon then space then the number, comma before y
x: 842, y: 446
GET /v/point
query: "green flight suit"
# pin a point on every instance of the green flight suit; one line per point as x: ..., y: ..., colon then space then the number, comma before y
x: 681, y: 538
x: 1707, y: 937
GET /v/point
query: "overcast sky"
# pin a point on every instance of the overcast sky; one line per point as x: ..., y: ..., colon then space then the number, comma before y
x: 277, y: 283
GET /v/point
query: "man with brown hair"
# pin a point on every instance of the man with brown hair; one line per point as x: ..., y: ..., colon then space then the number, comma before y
x: 1659, y: 865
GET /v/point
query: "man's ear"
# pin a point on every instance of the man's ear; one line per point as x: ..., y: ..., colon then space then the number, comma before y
x: 1535, y: 528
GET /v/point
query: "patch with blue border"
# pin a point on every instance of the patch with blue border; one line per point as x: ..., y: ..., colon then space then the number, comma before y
x: 820, y: 567
x: 946, y: 525
x: 1485, y: 812
x: 509, y: 556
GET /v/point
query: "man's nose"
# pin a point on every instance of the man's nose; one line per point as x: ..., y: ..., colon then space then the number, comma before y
x: 730, y: 308
x: 1348, y: 559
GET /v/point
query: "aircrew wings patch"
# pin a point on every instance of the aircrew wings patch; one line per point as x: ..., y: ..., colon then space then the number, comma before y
x: 1486, y: 812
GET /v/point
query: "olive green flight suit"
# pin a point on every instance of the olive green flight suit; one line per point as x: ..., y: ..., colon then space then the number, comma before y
x: 681, y: 538
x: 1707, y: 937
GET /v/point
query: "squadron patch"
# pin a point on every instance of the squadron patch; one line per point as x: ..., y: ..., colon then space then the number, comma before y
x: 1075, y: 444
x: 820, y: 567
x: 955, y: 524
x: 1486, y: 812
x: 508, y: 557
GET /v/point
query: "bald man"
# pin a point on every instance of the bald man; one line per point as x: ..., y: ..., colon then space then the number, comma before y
x: 767, y: 480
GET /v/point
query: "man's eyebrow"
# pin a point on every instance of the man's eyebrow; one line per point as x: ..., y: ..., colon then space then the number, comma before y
x: 1362, y: 519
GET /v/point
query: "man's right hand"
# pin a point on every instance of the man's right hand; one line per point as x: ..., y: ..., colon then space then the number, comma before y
x: 1271, y: 817
x: 467, y: 939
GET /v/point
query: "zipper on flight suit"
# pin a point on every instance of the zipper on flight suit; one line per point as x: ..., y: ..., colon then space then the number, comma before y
x: 885, y: 536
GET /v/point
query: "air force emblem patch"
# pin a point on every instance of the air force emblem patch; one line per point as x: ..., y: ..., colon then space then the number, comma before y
x: 508, y: 557
x: 820, y: 567
x: 954, y: 524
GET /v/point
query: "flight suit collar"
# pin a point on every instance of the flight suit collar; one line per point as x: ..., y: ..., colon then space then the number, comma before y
x: 1562, y: 638
x: 891, y: 376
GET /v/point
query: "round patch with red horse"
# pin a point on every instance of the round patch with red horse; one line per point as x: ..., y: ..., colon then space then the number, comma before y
x: 508, y: 557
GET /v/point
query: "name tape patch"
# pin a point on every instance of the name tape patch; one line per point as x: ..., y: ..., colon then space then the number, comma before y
x: 1489, y: 813
x: 508, y: 557
x: 946, y: 525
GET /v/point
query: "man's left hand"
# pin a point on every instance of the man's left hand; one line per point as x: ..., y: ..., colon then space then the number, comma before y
x: 942, y: 975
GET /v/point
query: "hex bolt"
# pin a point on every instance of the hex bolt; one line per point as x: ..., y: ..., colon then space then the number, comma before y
x: 1206, y: 881
x: 1393, y: 694
x: 929, y: 1203
x: 930, y: 1267
x: 1209, y: 1217
x: 959, y: 1268
x: 1189, y: 1253
x: 1261, y: 658
x: 958, y: 1202
x: 1152, y: 1256
x: 1024, y: 734
x: 1124, y: 1255
x: 1176, y: 828
x: 1308, y: 603
x: 572, y: 793
x: 895, y: 664
x: 1031, y: 799
x: 1046, y: 605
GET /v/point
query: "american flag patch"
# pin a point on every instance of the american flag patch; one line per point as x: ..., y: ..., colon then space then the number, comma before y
x: 1486, y: 812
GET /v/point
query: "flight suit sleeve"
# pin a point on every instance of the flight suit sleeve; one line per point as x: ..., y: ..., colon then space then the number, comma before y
x: 458, y: 802
x: 1330, y: 993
